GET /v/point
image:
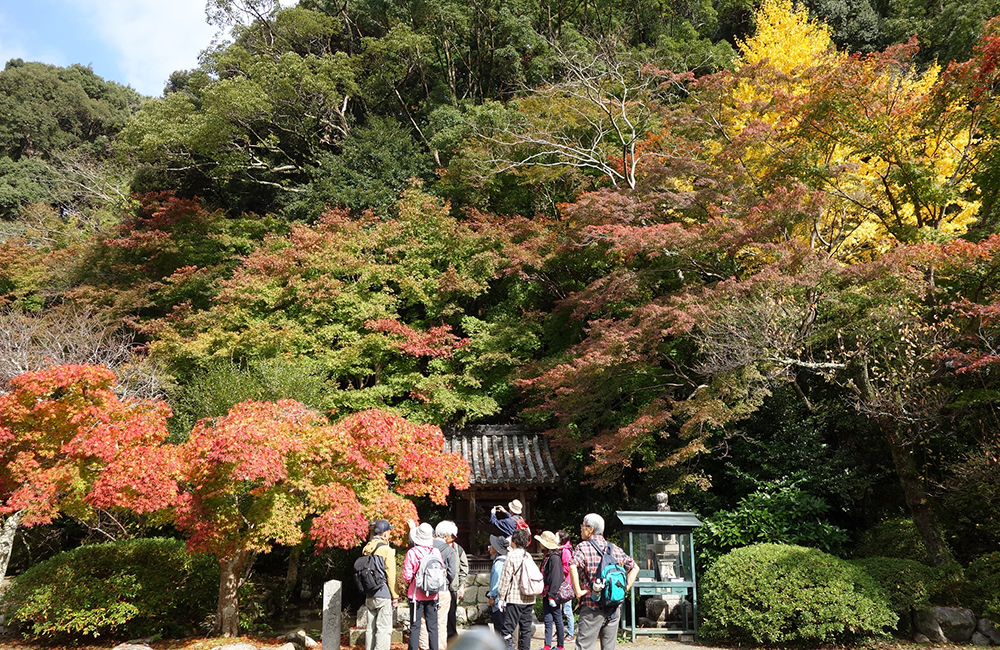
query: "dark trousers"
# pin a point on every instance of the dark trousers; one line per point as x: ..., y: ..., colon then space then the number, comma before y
x: 428, y: 611
x: 452, y: 620
x: 498, y: 622
x: 553, y: 614
x: 515, y: 615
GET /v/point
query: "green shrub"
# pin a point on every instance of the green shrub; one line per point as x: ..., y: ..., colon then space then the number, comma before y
x: 983, y: 585
x: 775, y: 593
x: 903, y: 584
x: 775, y: 513
x: 141, y: 587
x: 892, y: 538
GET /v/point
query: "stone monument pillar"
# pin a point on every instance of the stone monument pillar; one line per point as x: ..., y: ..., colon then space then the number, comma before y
x: 332, y: 596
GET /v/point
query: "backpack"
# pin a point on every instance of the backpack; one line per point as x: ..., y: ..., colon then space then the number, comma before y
x: 608, y: 587
x: 521, y: 523
x: 530, y: 581
x: 369, y: 572
x: 431, y: 576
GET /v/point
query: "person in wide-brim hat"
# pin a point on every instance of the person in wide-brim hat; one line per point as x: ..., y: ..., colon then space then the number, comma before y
x: 499, y: 544
x: 422, y: 535
x: 548, y: 539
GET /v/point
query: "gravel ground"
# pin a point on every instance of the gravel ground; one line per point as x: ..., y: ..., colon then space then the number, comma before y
x: 642, y: 642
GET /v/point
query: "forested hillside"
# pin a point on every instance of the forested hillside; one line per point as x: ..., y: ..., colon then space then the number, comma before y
x: 744, y: 254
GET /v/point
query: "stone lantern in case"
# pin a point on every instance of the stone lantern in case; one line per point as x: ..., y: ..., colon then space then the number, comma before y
x: 664, y: 598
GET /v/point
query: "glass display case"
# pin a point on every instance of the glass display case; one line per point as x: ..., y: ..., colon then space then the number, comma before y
x: 664, y: 598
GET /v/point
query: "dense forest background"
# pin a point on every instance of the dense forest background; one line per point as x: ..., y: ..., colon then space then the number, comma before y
x: 744, y: 254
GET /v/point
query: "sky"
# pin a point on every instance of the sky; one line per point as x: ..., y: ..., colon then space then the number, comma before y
x: 137, y: 43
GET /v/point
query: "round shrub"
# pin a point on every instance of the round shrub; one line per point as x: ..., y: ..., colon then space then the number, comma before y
x: 777, y: 593
x: 902, y: 584
x: 892, y: 538
x: 134, y: 588
x: 983, y: 585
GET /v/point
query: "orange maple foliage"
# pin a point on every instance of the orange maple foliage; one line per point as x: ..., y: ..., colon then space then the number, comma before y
x: 67, y: 443
x: 269, y: 472
x: 253, y: 477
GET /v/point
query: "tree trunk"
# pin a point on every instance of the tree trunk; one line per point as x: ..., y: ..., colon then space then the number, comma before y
x: 916, y: 497
x: 10, y: 525
x: 291, y: 576
x: 909, y: 477
x: 227, y: 616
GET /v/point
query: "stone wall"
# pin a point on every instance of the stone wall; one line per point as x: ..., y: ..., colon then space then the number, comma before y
x: 953, y: 625
x: 475, y: 606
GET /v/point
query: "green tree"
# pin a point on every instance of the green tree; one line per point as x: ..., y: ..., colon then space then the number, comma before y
x: 409, y: 314
x: 57, y: 126
x: 46, y: 110
x: 248, y: 134
x: 376, y: 163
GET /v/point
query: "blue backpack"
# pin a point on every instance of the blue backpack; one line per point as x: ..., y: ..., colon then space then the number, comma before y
x: 608, y: 587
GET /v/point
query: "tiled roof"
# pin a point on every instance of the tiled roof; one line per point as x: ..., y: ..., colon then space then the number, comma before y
x: 504, y: 455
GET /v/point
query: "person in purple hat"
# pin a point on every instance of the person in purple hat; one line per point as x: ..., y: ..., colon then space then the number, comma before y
x: 378, y: 635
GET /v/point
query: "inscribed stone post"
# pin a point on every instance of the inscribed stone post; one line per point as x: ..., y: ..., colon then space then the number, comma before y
x: 332, y: 596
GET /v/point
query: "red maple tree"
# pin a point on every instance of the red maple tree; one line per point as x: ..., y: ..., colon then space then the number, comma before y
x: 69, y: 444
x: 268, y: 471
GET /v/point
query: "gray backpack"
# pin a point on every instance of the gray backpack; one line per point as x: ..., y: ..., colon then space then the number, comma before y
x: 431, y: 576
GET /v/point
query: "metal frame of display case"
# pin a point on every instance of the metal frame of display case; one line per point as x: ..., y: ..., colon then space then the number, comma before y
x: 685, y: 586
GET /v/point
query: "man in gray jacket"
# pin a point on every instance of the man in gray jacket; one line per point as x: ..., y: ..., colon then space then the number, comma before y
x: 450, y: 532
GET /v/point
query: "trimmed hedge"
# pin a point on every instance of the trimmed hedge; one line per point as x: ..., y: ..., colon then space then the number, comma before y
x: 135, y: 588
x: 777, y: 593
x: 903, y: 584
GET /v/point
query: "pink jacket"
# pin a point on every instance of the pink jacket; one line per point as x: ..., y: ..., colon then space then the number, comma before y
x: 567, y: 555
x: 410, y: 565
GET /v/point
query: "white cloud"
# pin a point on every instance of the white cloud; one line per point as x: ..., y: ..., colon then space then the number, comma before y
x: 151, y: 38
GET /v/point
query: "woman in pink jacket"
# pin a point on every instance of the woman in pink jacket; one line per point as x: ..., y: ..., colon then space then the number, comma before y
x: 422, y: 605
x: 566, y: 547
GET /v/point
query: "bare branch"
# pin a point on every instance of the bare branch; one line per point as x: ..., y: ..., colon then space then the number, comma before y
x: 596, y: 119
x: 68, y: 334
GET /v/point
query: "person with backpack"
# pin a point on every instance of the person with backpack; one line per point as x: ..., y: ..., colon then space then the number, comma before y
x: 375, y: 574
x: 506, y: 522
x: 444, y: 596
x: 566, y: 552
x: 520, y: 583
x: 552, y: 575
x: 602, y: 573
x: 424, y: 570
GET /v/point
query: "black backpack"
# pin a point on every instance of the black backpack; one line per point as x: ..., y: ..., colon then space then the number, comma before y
x: 369, y: 572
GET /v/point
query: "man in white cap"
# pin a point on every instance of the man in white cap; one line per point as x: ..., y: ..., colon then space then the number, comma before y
x: 506, y: 522
x: 448, y: 531
x: 423, y: 605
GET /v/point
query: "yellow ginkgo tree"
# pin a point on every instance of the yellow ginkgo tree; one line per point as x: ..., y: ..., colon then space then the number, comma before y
x: 786, y: 38
x: 892, y: 150
x: 895, y: 149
